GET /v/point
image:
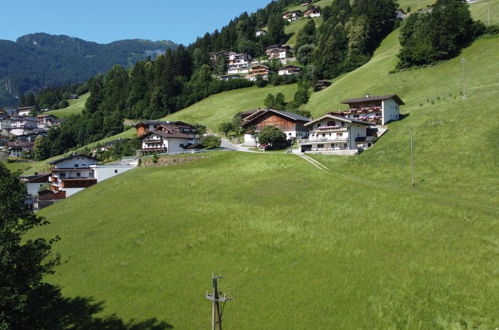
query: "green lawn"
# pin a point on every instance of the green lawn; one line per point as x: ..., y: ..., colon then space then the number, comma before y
x: 222, y: 107
x: 75, y: 107
x: 299, y: 248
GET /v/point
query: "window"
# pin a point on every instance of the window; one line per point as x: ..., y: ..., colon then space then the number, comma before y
x: 320, y: 146
x: 339, y: 134
x: 78, y: 174
x: 115, y: 171
x: 83, y: 165
x: 62, y: 175
x: 289, y: 134
x: 76, y: 165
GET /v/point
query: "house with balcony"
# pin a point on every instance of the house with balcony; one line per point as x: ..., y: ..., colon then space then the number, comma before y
x: 291, y: 16
x: 332, y: 134
x: 20, y: 148
x: 20, y: 125
x: 262, y: 71
x: 144, y: 127
x: 313, y: 12
x: 169, y: 139
x: 72, y: 174
x: 292, y: 124
x: 278, y: 52
x: 289, y: 70
x: 238, y: 63
x: 25, y: 111
x: 377, y: 110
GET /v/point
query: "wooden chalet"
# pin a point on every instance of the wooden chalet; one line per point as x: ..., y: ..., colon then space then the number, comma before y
x: 289, y: 70
x: 146, y: 126
x: 292, y: 124
x: 312, y: 12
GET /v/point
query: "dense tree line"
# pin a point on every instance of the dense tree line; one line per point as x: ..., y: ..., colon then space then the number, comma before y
x: 437, y: 34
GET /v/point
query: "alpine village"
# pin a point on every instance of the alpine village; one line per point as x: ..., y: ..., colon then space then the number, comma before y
x: 326, y: 164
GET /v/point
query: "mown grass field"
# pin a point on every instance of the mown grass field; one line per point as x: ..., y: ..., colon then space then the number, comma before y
x: 75, y: 107
x: 300, y: 248
x: 222, y: 107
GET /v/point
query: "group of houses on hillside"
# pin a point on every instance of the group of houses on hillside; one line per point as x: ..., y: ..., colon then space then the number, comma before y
x: 243, y: 66
x: 343, y: 132
x: 67, y: 176
x: 338, y: 132
x: 311, y: 12
x: 19, y: 129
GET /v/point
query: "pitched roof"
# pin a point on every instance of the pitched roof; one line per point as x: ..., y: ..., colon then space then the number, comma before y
x: 290, y: 115
x: 290, y: 67
x: 167, y: 135
x: 346, y: 120
x: 70, y: 157
x: 375, y: 98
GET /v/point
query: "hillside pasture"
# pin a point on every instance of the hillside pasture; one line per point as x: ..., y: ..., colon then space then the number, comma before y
x: 300, y: 248
x: 75, y: 107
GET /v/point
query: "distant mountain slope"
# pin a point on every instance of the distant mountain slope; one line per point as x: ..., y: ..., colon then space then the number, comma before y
x: 40, y: 60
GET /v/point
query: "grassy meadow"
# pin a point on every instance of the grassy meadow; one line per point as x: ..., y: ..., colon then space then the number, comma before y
x: 300, y: 248
x: 222, y: 107
x: 75, y: 107
x: 354, y: 247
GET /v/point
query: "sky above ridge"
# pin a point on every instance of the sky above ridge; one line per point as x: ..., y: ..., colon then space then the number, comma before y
x: 104, y: 21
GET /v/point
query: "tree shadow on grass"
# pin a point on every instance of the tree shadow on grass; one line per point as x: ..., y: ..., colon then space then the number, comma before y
x: 48, y: 309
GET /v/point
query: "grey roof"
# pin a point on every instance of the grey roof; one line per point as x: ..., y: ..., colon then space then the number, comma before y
x: 395, y: 97
x: 70, y: 157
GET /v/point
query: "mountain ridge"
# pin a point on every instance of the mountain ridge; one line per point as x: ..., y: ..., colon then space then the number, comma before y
x: 40, y: 60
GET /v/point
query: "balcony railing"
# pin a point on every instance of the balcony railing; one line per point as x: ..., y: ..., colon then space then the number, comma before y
x: 328, y: 140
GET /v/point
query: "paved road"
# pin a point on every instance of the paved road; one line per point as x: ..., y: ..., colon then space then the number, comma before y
x: 235, y: 147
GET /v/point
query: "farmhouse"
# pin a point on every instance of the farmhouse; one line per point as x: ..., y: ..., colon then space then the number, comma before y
x: 238, y: 63
x: 45, y: 121
x: 20, y: 125
x: 24, y: 111
x: 147, y: 126
x: 20, y: 148
x: 278, y: 52
x: 35, y: 182
x: 292, y: 124
x: 169, y: 139
x: 312, y: 12
x: 258, y: 71
x: 291, y: 16
x: 289, y: 70
x: 72, y: 174
x: 335, y: 134
x: 378, y: 110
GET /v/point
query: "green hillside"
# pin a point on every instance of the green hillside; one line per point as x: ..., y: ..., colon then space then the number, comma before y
x: 75, y: 107
x: 220, y: 108
x: 355, y: 247
x: 288, y: 237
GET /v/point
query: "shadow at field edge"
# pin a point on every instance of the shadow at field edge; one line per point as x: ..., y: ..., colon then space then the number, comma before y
x: 48, y: 309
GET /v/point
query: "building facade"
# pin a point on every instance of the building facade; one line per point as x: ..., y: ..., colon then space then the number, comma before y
x: 378, y: 110
x: 335, y: 134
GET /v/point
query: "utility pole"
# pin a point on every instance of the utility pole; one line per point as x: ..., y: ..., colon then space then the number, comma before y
x: 216, y: 299
x: 412, y: 160
x: 463, y: 61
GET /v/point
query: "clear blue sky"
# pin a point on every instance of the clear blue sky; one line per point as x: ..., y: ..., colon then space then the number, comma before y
x: 104, y: 21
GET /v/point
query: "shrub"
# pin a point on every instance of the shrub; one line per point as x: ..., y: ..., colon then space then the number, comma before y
x: 211, y: 142
x: 271, y: 135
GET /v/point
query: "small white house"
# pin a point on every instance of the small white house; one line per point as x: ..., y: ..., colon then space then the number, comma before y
x: 72, y: 174
x: 260, y: 33
x: 104, y: 172
x: 289, y: 70
x: 313, y: 12
x: 167, y: 142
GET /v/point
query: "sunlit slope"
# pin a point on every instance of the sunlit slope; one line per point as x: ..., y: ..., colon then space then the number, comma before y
x: 299, y: 248
x: 456, y: 151
x: 75, y: 107
x: 222, y: 107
